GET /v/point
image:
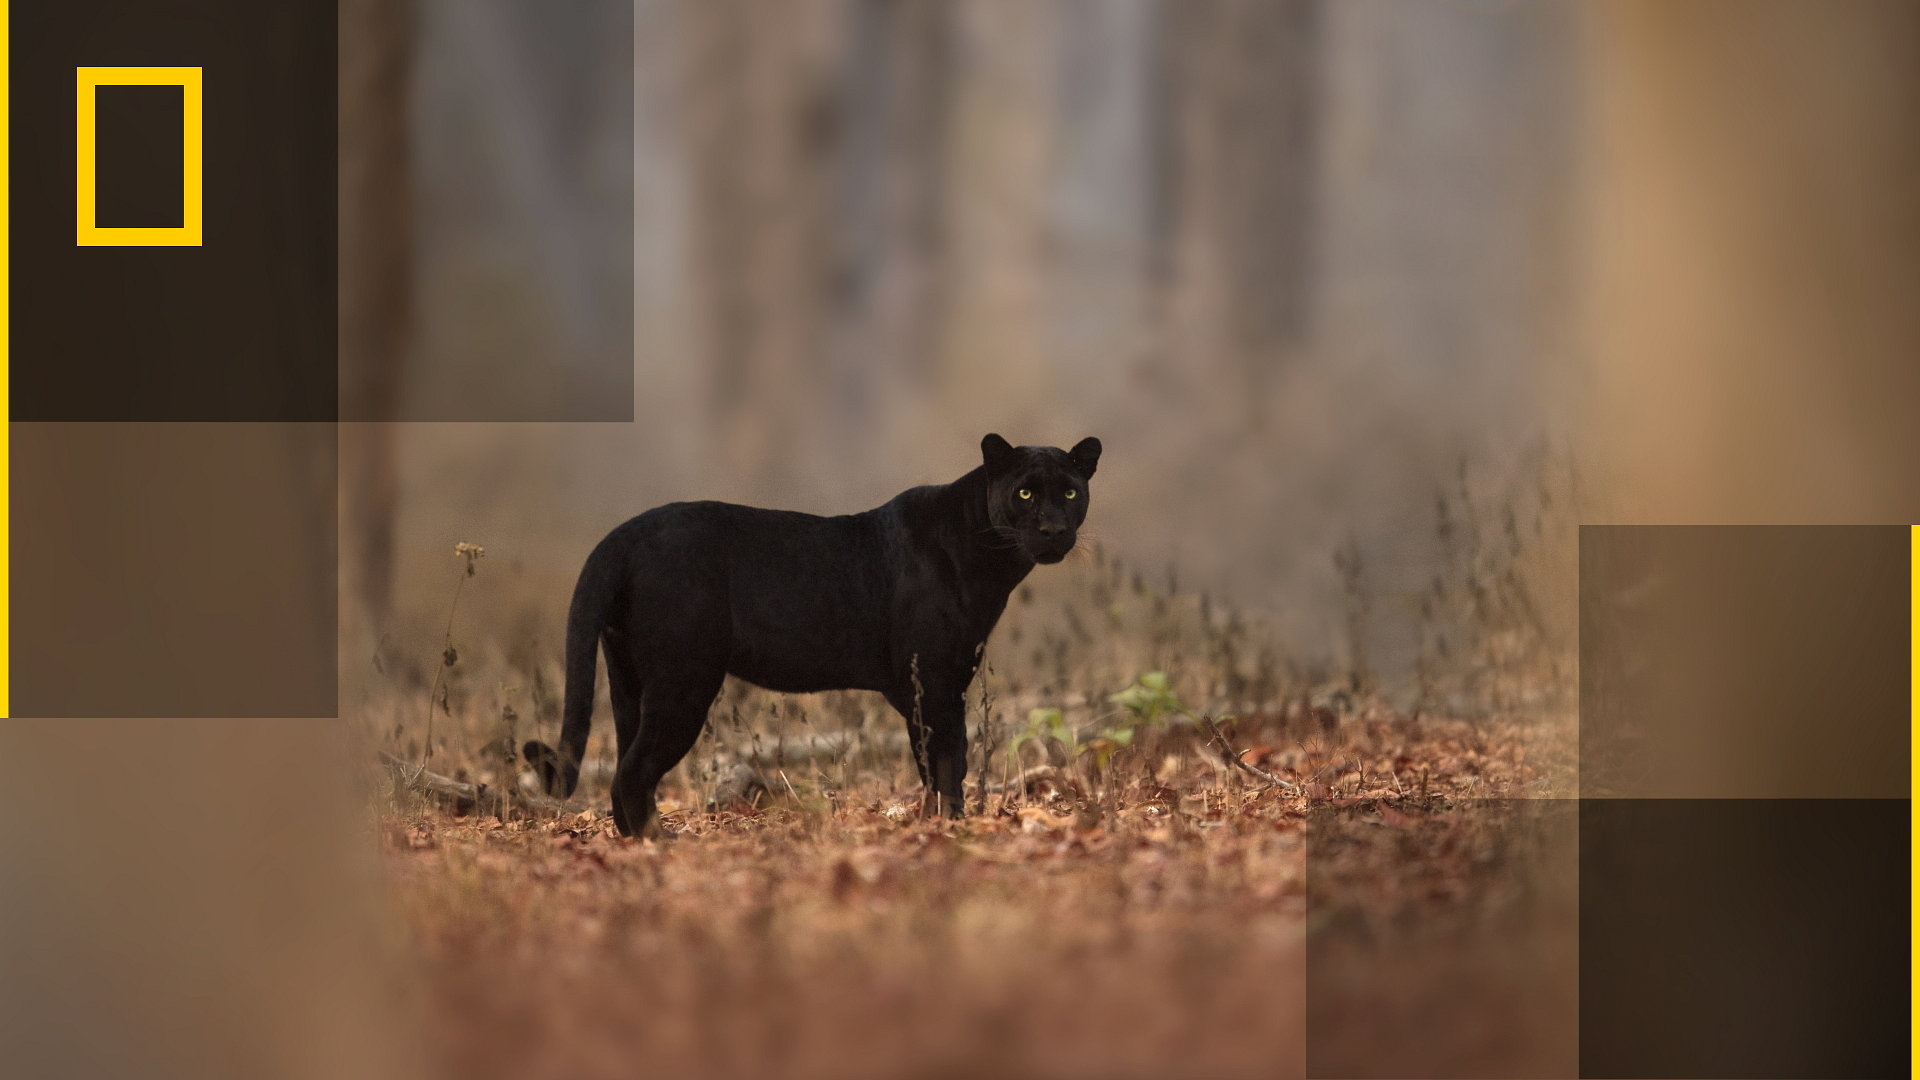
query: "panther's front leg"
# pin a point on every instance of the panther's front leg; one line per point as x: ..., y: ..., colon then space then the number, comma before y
x: 947, y: 754
x: 939, y: 739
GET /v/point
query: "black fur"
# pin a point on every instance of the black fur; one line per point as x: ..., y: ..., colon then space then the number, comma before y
x: 688, y: 593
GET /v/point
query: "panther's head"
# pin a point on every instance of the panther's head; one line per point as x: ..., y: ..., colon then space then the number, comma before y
x: 1037, y: 495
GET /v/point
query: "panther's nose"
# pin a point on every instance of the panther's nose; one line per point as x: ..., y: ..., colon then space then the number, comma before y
x: 1050, y: 530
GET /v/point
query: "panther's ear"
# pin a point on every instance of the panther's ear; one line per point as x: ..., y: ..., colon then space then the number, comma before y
x: 1085, y: 455
x: 996, y: 452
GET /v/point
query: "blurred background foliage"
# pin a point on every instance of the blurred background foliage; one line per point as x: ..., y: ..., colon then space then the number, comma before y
x: 1369, y: 301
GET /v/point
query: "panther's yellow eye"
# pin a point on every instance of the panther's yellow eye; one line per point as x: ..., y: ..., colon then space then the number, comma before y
x: 1025, y: 494
x: 1072, y: 494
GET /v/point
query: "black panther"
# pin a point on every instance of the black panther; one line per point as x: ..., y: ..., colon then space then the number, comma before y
x: 905, y: 593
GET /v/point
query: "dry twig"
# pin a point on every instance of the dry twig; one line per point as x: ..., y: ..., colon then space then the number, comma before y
x: 460, y: 797
x: 1219, y: 738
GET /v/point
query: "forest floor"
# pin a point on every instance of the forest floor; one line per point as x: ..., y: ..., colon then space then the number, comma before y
x: 1172, y: 916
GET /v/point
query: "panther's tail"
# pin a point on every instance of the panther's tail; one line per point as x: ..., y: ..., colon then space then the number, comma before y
x: 593, y: 600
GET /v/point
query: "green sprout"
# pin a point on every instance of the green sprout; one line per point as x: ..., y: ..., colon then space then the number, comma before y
x: 1149, y: 700
x: 1044, y: 724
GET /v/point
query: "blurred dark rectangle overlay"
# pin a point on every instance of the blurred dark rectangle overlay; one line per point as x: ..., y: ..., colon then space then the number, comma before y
x: 1755, y: 938
x: 174, y: 570
x: 1745, y: 661
x: 487, y: 188
x: 242, y: 327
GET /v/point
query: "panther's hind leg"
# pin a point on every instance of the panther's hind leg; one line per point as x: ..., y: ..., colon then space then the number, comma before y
x: 673, y: 711
x: 624, y: 688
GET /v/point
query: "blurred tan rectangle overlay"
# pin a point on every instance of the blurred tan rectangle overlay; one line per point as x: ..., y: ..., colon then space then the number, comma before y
x: 1744, y: 661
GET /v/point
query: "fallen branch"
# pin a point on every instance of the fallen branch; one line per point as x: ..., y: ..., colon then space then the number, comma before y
x: 1027, y: 779
x: 1233, y: 758
x: 463, y: 798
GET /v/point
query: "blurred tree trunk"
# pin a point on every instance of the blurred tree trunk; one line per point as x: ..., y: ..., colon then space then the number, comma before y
x: 1234, y: 243
x: 886, y: 289
x: 764, y: 125
x: 375, y: 260
x: 993, y: 353
x: 1101, y: 206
